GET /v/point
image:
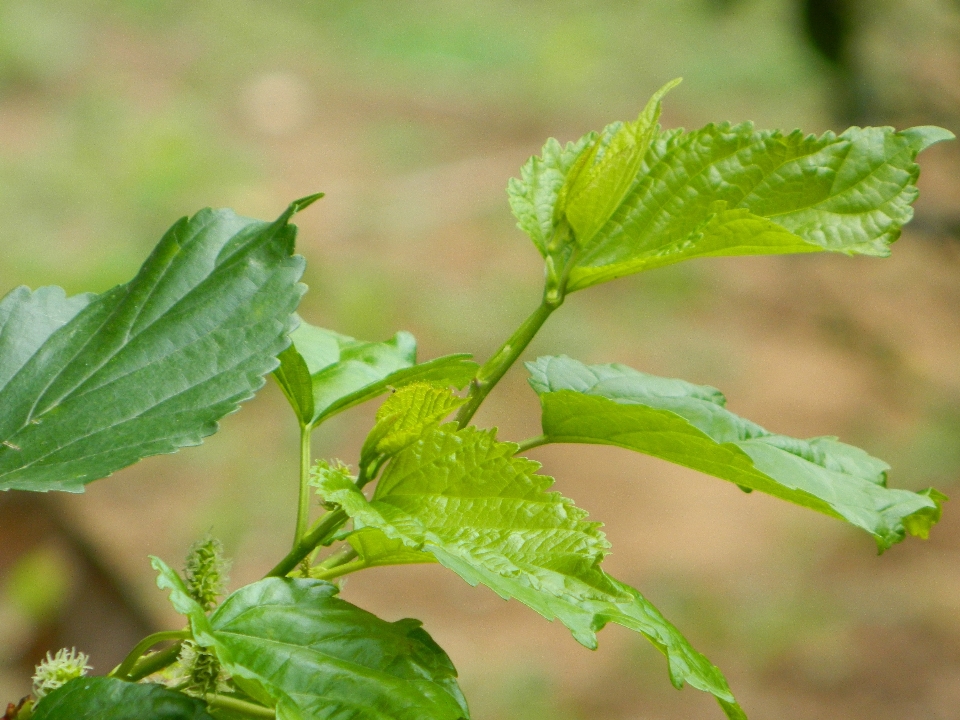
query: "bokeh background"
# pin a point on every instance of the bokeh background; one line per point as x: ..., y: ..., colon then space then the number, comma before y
x: 119, y: 116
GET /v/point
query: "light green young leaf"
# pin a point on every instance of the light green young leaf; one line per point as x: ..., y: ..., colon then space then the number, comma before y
x: 734, y: 190
x: 464, y: 498
x: 107, y: 698
x: 344, y: 372
x: 91, y: 384
x: 292, y: 644
x: 720, y: 190
x: 406, y: 414
x: 534, y: 197
x: 604, y: 172
x: 689, y: 425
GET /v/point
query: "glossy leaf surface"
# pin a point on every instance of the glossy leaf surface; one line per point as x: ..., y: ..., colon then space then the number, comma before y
x: 92, y: 384
x: 688, y: 424
x: 324, y: 373
x: 102, y: 698
x: 292, y: 644
x: 464, y: 498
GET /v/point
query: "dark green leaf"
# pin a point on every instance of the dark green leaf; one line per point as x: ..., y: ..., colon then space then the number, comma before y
x: 344, y: 372
x: 92, y: 384
x: 689, y: 425
x: 293, y: 644
x: 102, y: 698
x: 464, y: 498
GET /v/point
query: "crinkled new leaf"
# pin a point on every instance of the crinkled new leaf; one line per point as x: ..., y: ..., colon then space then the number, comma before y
x: 463, y: 497
x: 404, y: 416
x: 93, y: 383
x: 721, y: 190
x: 688, y: 424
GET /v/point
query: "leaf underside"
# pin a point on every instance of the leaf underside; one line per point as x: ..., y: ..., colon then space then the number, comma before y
x: 323, y: 373
x: 688, y: 424
x: 93, y: 383
x: 728, y: 190
x: 292, y: 644
x: 462, y: 497
x: 105, y: 698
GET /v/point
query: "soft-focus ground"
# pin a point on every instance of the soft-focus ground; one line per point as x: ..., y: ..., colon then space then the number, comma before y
x: 117, y: 117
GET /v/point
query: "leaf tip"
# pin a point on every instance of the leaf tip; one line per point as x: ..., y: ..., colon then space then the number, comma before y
x: 924, y: 136
x: 922, y: 521
x: 304, y: 202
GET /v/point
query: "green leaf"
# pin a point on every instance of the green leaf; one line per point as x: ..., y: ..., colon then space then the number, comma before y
x: 103, y: 698
x: 402, y: 419
x: 534, y: 198
x: 462, y: 497
x: 734, y: 190
x: 721, y: 190
x: 292, y: 644
x: 602, y: 175
x: 92, y: 384
x: 689, y: 425
x: 344, y: 372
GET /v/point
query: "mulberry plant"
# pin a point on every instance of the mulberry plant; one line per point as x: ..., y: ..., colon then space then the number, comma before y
x: 90, y: 384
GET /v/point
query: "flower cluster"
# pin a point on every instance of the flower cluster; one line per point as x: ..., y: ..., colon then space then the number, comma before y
x: 58, y: 670
x: 206, y: 572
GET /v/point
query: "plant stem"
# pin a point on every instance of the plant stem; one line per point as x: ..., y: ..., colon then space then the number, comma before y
x: 124, y: 668
x: 153, y: 663
x: 303, y: 507
x: 494, y: 369
x: 338, y: 570
x: 343, y: 555
x: 240, y: 706
x: 322, y: 531
x: 532, y: 443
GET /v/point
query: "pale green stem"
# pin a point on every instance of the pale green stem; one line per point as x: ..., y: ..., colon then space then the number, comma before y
x: 495, y: 368
x: 124, y: 668
x: 532, y: 443
x: 240, y: 706
x: 343, y: 555
x: 303, y: 507
x: 339, y: 570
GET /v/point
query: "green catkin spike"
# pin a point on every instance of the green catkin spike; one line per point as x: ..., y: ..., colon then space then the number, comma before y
x: 202, y: 674
x: 206, y: 572
x: 206, y: 578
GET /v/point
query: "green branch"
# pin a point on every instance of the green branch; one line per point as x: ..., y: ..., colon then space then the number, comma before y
x: 321, y: 533
x: 495, y: 368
